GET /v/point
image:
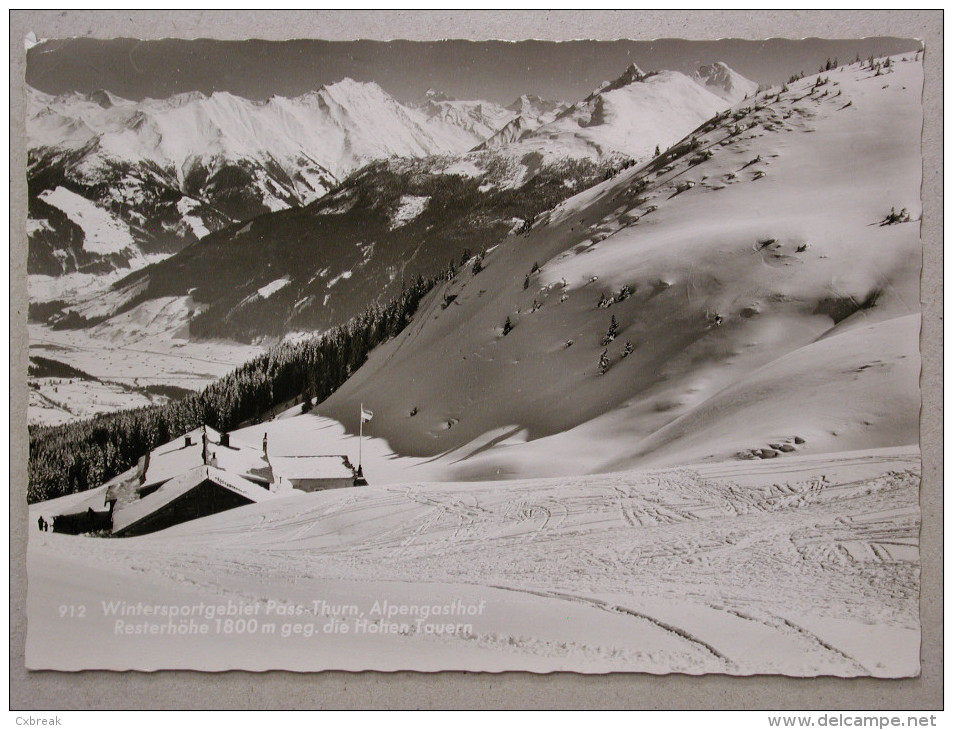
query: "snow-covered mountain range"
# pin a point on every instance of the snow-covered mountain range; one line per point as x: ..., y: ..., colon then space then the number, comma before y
x: 114, y: 181
x: 117, y: 184
x: 409, y: 214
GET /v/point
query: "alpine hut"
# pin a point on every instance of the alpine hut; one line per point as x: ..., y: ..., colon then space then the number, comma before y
x: 200, y: 474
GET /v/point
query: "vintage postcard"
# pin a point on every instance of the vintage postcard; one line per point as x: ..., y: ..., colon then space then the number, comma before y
x: 575, y: 356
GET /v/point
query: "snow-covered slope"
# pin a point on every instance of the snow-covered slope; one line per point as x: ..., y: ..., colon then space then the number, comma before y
x: 807, y: 567
x: 762, y: 303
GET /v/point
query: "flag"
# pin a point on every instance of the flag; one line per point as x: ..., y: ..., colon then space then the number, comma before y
x: 366, y: 415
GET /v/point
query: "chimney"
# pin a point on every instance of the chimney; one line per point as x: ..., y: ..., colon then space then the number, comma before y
x: 188, y: 440
x: 223, y: 441
x: 144, y: 467
x: 264, y: 445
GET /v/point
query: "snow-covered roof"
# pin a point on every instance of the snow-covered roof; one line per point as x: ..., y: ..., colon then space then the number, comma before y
x: 312, y: 467
x: 130, y: 513
x: 174, y: 458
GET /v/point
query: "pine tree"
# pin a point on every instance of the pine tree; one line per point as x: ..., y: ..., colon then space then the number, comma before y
x: 603, y: 362
x: 611, y: 332
x: 628, y: 349
x: 526, y: 282
x: 507, y: 327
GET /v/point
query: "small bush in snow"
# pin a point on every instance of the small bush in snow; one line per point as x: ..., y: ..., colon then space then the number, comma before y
x: 507, y: 327
x: 628, y: 349
x: 894, y: 217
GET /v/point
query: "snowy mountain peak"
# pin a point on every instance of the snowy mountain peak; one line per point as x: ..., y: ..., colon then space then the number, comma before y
x: 347, y: 85
x: 626, y: 118
x: 433, y: 94
x: 102, y: 98
x: 722, y: 80
x: 632, y: 74
x: 534, y: 106
x: 176, y: 100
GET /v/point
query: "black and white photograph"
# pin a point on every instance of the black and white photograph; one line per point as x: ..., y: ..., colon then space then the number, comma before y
x: 581, y: 356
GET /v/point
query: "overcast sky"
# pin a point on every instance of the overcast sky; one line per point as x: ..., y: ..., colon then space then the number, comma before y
x: 492, y: 70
